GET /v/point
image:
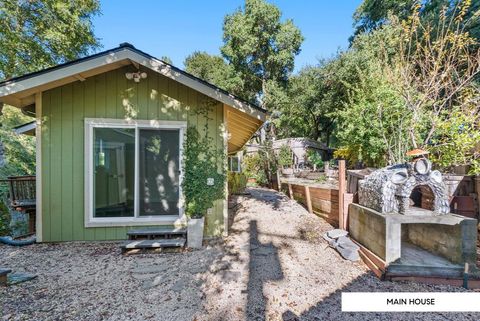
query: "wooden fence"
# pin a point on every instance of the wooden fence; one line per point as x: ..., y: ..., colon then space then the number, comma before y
x: 323, y: 202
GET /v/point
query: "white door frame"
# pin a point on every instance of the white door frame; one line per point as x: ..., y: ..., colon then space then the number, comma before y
x: 90, y: 220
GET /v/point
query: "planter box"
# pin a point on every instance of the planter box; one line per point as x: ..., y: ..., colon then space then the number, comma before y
x: 195, y: 232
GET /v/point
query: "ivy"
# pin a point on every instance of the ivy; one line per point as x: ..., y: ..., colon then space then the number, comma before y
x: 202, y: 161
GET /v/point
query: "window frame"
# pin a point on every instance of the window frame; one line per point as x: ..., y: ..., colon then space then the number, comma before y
x: 230, y: 163
x: 136, y: 220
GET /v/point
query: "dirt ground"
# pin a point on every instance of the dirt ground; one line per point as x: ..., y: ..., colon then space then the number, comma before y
x: 273, y: 266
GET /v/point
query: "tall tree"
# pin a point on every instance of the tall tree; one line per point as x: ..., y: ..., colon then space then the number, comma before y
x: 215, y: 70
x: 310, y: 111
x: 261, y: 48
x: 37, y: 34
x: 371, y: 14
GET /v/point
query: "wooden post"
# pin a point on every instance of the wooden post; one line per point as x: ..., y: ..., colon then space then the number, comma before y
x: 308, y: 199
x: 290, y: 192
x: 341, y: 192
x: 279, y: 183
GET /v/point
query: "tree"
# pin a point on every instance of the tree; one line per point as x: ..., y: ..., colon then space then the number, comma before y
x: 372, y: 14
x: 35, y: 35
x: 38, y: 34
x: 261, y: 48
x: 166, y: 59
x: 436, y: 73
x: 310, y: 111
x: 215, y: 70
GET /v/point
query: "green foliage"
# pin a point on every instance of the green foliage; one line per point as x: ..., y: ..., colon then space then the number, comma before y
x: 372, y: 14
x: 215, y: 70
x: 4, y: 219
x: 285, y: 156
x: 261, y: 48
x: 310, y: 110
x: 166, y: 59
x: 457, y: 141
x: 237, y: 182
x: 202, y: 161
x: 321, y: 179
x: 18, y: 150
x: 39, y: 34
x: 253, y: 167
x: 315, y: 158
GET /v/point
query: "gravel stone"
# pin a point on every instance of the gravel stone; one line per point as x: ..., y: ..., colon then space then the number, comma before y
x: 274, y: 265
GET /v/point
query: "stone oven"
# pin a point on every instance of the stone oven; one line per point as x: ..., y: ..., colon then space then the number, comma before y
x: 398, y: 188
x: 403, y: 216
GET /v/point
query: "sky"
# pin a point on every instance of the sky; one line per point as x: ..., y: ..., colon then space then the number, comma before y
x: 178, y: 28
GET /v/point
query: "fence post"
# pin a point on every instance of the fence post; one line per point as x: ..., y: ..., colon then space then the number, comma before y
x: 342, y: 219
x: 290, y: 192
x: 308, y: 199
x: 279, y: 183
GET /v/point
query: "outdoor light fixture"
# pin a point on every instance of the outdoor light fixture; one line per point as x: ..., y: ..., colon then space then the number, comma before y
x: 136, y: 76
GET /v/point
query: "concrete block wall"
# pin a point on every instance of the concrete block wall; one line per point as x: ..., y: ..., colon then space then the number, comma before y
x: 368, y: 230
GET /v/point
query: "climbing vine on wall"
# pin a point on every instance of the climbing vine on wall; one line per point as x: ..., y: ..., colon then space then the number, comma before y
x: 203, y: 167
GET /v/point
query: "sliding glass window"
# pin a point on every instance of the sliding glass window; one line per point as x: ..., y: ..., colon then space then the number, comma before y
x: 134, y: 171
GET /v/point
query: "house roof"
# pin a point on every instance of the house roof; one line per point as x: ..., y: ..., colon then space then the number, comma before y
x: 17, y: 91
x: 20, y: 91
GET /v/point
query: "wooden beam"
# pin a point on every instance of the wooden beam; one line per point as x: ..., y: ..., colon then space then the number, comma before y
x: 341, y: 192
x: 308, y: 199
x: 79, y: 77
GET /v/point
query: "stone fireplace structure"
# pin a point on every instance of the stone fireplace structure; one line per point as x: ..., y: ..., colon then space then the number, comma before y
x: 403, y: 217
x: 389, y: 190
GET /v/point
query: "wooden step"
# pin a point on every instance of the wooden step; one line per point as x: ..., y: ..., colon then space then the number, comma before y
x: 158, y: 231
x: 153, y: 244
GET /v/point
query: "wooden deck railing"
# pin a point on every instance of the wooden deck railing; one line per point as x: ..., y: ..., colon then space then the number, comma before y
x: 22, y: 191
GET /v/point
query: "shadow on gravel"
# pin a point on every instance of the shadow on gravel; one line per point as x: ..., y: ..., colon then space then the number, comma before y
x: 269, y: 197
x: 264, y: 266
x: 330, y: 308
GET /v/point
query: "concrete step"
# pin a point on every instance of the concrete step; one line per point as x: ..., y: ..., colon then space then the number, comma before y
x: 157, y: 233
x: 153, y: 244
x: 424, y: 271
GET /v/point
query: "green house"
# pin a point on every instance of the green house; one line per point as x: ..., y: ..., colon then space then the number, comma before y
x: 109, y: 130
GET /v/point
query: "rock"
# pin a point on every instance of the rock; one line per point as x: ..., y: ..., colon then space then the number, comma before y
x: 336, y: 233
x: 348, y: 253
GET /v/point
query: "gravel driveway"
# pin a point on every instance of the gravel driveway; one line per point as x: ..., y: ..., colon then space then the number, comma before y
x: 273, y: 266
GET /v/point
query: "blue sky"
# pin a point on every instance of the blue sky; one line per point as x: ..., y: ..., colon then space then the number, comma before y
x: 177, y: 28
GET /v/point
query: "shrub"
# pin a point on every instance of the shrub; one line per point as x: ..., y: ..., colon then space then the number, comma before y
x: 4, y: 220
x: 285, y: 156
x: 315, y: 158
x: 237, y: 182
x: 253, y: 168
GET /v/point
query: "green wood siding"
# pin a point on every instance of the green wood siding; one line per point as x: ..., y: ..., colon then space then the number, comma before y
x: 108, y: 95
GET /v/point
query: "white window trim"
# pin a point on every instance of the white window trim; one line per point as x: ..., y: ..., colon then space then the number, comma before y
x: 90, y: 220
x: 230, y: 161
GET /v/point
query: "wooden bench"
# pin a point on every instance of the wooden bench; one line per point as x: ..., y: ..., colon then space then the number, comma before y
x: 3, y: 276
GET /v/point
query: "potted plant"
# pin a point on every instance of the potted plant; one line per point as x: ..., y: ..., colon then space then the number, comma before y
x: 203, y: 182
x: 285, y: 160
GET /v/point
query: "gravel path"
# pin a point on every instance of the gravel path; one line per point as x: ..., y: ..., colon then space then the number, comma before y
x: 273, y: 266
